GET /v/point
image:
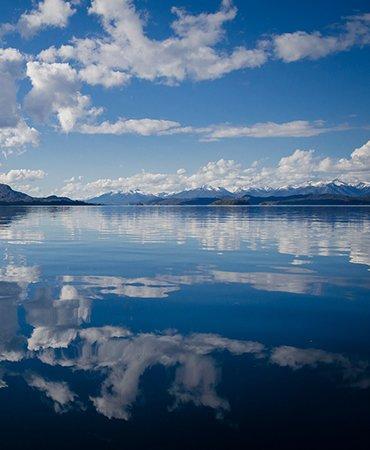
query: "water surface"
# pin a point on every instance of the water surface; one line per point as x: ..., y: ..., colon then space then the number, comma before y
x: 184, y: 328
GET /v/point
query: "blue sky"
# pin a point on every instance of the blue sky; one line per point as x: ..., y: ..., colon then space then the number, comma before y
x: 120, y: 94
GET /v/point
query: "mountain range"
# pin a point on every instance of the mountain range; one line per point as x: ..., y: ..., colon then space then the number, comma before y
x: 334, y: 192
x: 10, y: 197
x: 335, y: 187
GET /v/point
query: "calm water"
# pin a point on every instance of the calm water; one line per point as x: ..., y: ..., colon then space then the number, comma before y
x: 184, y: 328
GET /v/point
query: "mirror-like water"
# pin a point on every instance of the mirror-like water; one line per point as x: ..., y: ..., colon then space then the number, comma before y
x: 194, y: 328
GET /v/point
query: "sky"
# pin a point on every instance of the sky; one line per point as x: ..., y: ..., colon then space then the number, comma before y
x: 110, y: 95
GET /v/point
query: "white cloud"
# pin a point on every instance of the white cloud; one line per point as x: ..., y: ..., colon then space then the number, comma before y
x: 21, y: 175
x: 55, y: 91
x: 95, y: 74
x: 192, y: 51
x: 299, y: 45
x: 14, y: 132
x: 126, y: 51
x: 11, y: 70
x: 143, y: 127
x: 296, y: 128
x: 47, y: 13
x: 149, y: 127
x: 17, y: 137
x: 28, y: 189
x: 358, y: 162
x: 196, y: 49
x: 300, y: 167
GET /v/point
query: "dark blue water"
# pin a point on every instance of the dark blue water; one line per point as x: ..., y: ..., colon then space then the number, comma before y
x: 184, y: 328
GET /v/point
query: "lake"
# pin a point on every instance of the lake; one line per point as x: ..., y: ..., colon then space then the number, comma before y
x: 184, y: 328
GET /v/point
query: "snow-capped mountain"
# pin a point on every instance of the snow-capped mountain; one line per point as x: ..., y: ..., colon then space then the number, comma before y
x: 202, y: 192
x: 335, y: 187
x: 132, y: 197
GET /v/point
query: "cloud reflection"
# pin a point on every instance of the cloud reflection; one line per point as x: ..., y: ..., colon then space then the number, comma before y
x: 59, y: 392
x: 121, y: 357
x: 293, y: 280
x: 48, y: 320
x: 304, y: 232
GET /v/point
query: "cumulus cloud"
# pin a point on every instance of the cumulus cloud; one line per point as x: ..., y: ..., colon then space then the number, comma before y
x: 47, y: 13
x: 11, y: 70
x: 16, y: 137
x: 196, y: 49
x: 126, y: 51
x: 299, y: 45
x: 55, y: 91
x: 192, y: 51
x: 22, y: 179
x: 358, y: 162
x: 300, y: 167
x: 21, y: 175
x: 96, y: 74
x: 14, y: 131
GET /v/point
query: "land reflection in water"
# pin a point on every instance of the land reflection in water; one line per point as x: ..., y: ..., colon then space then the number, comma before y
x: 94, y: 300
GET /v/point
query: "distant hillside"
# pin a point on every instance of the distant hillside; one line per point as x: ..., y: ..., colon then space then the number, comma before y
x: 335, y: 187
x: 7, y: 195
x: 186, y: 201
x: 124, y: 198
x: 10, y: 197
x: 334, y: 192
x: 136, y: 197
x: 206, y: 192
x: 313, y: 200
x: 319, y: 200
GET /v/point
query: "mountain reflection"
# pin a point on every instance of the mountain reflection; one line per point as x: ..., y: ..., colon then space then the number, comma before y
x: 20, y: 225
x: 59, y: 266
x: 300, y: 232
x: 294, y: 231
